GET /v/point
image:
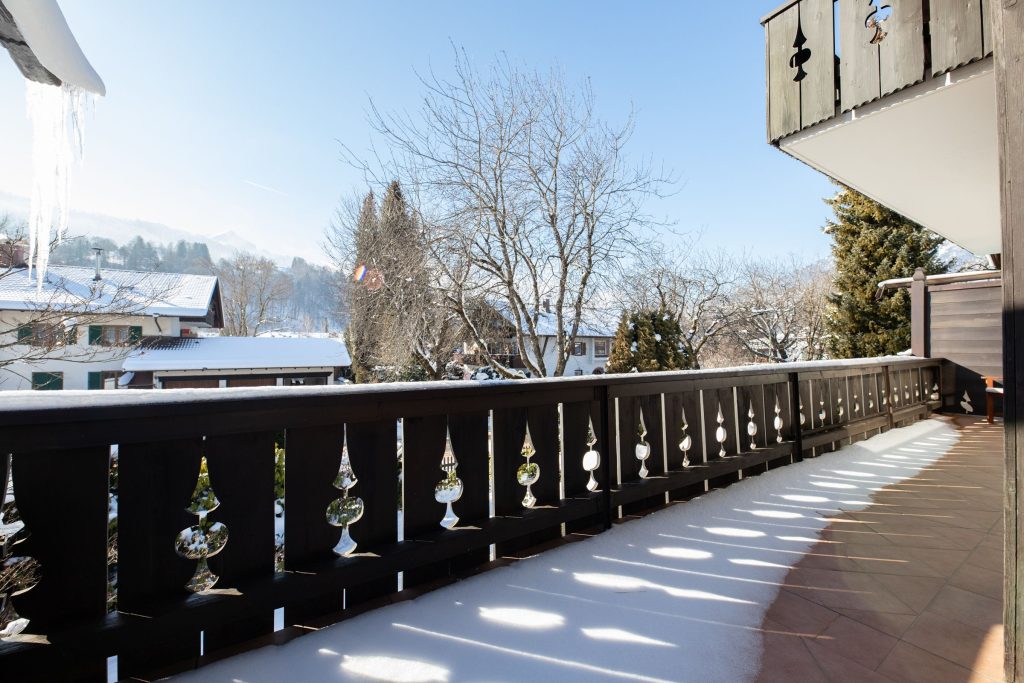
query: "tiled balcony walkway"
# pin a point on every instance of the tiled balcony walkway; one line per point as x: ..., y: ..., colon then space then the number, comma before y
x: 907, y: 590
x: 707, y: 590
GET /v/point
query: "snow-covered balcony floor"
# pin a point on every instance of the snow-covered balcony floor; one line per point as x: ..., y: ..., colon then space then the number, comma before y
x: 679, y: 595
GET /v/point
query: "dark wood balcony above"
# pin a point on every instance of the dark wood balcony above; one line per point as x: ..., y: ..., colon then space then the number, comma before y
x: 893, y: 99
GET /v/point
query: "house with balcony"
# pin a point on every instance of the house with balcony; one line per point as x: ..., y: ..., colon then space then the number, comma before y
x: 590, y: 350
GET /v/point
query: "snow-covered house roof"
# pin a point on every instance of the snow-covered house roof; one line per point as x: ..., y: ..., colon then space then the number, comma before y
x: 236, y: 353
x: 142, y: 293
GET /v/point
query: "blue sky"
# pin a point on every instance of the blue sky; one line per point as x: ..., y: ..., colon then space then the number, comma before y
x: 226, y: 115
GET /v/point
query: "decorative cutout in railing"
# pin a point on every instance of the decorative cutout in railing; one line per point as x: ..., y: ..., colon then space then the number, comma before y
x: 686, y: 442
x: 751, y: 427
x: 529, y: 472
x: 876, y: 20
x: 591, y: 459
x: 204, y: 539
x: 777, y: 422
x: 345, y: 511
x: 449, y: 490
x: 643, y: 448
x: 802, y: 54
x: 721, y: 435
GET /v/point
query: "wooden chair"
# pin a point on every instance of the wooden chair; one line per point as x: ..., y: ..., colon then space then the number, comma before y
x: 991, y: 391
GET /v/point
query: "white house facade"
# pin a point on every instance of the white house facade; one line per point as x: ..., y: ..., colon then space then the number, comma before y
x: 75, y: 329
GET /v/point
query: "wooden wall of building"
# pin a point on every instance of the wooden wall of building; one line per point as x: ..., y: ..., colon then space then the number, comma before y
x: 964, y: 326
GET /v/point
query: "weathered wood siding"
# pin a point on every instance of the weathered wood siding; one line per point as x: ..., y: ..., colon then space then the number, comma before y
x: 911, y: 41
x: 800, y: 66
x: 957, y: 28
x: 965, y: 328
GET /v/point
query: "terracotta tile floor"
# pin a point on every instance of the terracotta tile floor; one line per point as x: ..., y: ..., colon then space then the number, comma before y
x: 918, y: 598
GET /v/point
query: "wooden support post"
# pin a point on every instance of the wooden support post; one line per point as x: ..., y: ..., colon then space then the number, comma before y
x: 919, y: 315
x: 794, y: 416
x: 887, y: 381
x: 1008, y: 31
x: 610, y: 444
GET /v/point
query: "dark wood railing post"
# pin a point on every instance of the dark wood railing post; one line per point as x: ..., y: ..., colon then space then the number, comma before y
x: 794, y: 416
x: 610, y: 459
x: 919, y: 315
x: 888, y: 395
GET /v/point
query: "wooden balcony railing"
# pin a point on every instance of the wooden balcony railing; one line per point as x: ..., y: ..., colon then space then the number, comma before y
x: 882, y: 46
x: 586, y: 446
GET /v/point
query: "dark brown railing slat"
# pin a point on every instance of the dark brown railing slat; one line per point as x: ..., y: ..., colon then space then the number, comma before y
x: 242, y: 476
x: 155, y: 485
x: 62, y: 498
x: 312, y: 461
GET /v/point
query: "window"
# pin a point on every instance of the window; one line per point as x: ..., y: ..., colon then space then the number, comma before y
x: 47, y: 336
x: 601, y: 348
x: 97, y: 379
x: 579, y: 348
x: 114, y: 335
x: 47, y: 381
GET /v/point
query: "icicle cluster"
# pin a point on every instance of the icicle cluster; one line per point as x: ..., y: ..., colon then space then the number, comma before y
x: 57, y: 118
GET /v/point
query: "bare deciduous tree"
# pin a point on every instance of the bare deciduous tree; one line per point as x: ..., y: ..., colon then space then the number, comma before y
x: 253, y: 291
x: 694, y: 288
x: 530, y: 199
x: 780, y: 307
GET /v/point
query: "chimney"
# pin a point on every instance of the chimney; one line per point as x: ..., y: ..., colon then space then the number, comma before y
x: 98, y: 255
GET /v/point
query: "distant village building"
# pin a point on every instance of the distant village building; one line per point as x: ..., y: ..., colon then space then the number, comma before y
x: 590, y: 350
x: 211, y: 362
x: 88, y: 328
x: 102, y: 314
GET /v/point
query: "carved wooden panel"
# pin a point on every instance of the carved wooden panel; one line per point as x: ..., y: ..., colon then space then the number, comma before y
x: 784, y: 66
x: 67, y: 534
x: 683, y: 430
x: 901, y: 52
x: 720, y: 429
x: 312, y: 459
x: 858, y: 56
x: 155, y: 485
x: 423, y: 446
x: 957, y: 33
x: 241, y: 470
x: 818, y: 89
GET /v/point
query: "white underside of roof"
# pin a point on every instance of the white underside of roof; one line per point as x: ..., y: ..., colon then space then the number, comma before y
x: 929, y: 152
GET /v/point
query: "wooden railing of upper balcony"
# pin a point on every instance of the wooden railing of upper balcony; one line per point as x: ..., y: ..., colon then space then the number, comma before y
x: 882, y: 46
x: 645, y: 438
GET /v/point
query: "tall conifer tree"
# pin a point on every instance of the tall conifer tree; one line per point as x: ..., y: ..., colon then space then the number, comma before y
x: 872, y: 243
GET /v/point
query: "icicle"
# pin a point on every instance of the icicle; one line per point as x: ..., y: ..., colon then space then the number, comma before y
x: 57, y: 118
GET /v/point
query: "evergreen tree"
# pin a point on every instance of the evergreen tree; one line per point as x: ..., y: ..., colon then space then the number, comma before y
x: 871, y: 243
x: 646, y: 341
x: 360, y: 334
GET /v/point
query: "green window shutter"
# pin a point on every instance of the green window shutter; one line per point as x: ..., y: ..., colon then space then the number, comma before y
x: 135, y: 334
x: 95, y: 334
x: 95, y: 380
x: 47, y: 381
x: 24, y: 334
